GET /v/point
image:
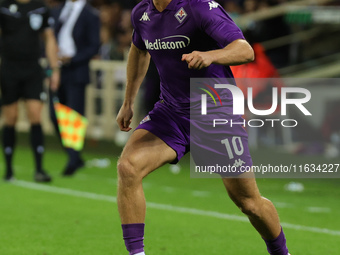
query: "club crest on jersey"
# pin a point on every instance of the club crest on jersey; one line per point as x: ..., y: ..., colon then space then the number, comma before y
x: 36, y: 21
x: 212, y: 5
x: 146, y: 118
x: 145, y: 17
x: 181, y: 15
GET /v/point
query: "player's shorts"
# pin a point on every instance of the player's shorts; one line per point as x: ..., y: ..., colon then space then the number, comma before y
x: 20, y: 79
x: 224, y: 147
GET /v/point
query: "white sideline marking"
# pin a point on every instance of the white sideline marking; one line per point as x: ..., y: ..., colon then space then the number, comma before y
x: 199, y: 193
x: 282, y: 205
x: 171, y: 208
x: 167, y: 189
x: 319, y: 209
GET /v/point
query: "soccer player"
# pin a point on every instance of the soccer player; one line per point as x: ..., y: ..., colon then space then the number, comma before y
x: 22, y: 22
x: 185, y: 38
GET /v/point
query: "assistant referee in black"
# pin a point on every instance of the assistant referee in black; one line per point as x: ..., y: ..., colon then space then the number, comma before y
x: 23, y: 23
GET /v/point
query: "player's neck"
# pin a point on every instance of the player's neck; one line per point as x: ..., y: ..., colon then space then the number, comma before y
x: 161, y: 4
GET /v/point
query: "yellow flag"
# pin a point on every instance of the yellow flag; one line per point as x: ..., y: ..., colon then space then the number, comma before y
x: 72, y: 126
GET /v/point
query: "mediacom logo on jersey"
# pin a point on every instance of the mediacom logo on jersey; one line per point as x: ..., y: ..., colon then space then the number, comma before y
x: 173, y: 42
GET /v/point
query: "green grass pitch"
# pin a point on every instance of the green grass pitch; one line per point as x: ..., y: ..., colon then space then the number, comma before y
x: 79, y: 215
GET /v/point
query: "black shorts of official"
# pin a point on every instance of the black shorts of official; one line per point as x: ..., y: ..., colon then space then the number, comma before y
x: 20, y: 79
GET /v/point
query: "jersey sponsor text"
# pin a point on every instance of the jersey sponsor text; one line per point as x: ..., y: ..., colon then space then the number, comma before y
x: 168, y: 43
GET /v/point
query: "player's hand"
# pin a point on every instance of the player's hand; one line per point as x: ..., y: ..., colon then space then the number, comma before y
x: 197, y: 59
x: 55, y: 80
x: 64, y: 60
x: 124, y: 117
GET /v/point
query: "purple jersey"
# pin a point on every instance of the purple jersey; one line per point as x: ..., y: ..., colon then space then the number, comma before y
x: 184, y: 26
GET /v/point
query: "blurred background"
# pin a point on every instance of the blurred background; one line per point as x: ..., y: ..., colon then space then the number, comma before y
x: 291, y: 39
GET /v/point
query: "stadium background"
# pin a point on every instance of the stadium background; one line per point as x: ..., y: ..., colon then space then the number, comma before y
x: 78, y: 215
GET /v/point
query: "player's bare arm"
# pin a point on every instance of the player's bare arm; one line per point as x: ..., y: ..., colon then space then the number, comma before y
x: 236, y: 53
x: 52, y: 56
x: 137, y: 66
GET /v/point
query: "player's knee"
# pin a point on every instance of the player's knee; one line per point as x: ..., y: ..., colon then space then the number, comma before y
x: 34, y: 118
x: 11, y: 120
x: 249, y: 207
x: 128, y: 171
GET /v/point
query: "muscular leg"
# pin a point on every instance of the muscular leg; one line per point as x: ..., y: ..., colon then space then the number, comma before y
x: 143, y: 153
x: 10, y: 113
x: 260, y: 211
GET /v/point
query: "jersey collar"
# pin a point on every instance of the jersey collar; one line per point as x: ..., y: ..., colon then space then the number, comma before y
x: 172, y: 6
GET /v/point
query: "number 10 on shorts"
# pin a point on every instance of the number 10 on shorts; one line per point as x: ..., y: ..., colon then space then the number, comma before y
x: 233, y: 147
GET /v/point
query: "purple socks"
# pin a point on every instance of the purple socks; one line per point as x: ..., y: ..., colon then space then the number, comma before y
x: 133, y: 235
x: 278, y: 245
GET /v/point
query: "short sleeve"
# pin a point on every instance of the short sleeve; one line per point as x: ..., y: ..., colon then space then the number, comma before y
x: 215, y: 22
x: 48, y: 20
x: 137, y: 40
x: 136, y: 37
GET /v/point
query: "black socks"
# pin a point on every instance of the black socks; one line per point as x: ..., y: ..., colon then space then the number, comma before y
x: 8, y: 142
x: 37, y: 143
